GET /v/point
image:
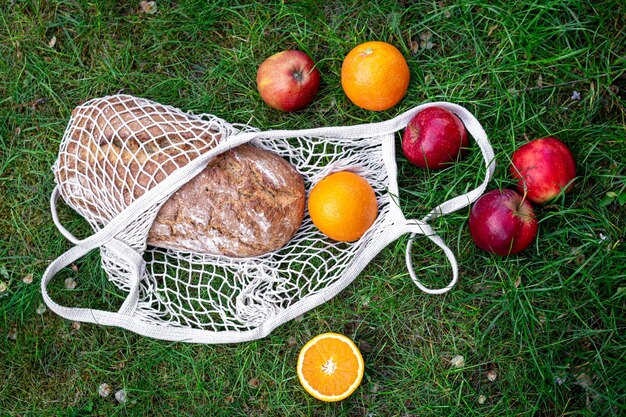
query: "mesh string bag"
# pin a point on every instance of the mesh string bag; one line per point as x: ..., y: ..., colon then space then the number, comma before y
x: 192, y: 297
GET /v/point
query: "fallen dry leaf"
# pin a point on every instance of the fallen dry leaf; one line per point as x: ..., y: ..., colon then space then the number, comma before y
x: 3, y: 287
x: 148, y: 7
x: 28, y: 279
x: 120, y: 396
x: 104, y: 390
x: 458, y: 361
x: 118, y: 366
x: 492, y: 375
x: 75, y: 328
x: 41, y: 309
x: 12, y: 334
x: 35, y: 104
x: 583, y: 380
x: 540, y: 81
x: 70, y: 284
x: 426, y: 40
x: 254, y: 382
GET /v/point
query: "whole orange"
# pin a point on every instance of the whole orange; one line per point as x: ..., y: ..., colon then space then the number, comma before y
x: 343, y: 206
x: 375, y: 76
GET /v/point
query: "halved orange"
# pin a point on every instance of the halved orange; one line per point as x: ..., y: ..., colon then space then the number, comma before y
x: 330, y: 367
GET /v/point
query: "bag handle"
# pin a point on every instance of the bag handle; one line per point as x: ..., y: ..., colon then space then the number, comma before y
x: 134, y: 260
x: 416, y: 227
x: 474, y: 127
x: 422, y: 227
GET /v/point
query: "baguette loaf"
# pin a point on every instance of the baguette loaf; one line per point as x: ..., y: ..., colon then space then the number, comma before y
x: 246, y: 202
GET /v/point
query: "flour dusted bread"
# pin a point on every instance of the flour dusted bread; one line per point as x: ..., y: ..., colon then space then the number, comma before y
x: 246, y: 202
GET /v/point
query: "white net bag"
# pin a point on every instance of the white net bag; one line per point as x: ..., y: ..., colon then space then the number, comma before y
x: 122, y: 157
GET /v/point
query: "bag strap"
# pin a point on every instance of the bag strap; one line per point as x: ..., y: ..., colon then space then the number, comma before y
x: 474, y: 127
x: 422, y: 227
x: 134, y: 260
x: 416, y: 227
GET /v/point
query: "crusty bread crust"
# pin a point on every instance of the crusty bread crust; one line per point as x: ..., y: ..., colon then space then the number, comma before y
x: 246, y: 202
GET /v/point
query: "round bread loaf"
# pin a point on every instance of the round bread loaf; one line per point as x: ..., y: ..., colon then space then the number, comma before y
x: 248, y: 201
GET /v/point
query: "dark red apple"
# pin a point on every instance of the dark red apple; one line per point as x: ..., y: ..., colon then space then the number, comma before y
x: 543, y: 167
x: 288, y: 80
x: 502, y: 222
x: 434, y: 138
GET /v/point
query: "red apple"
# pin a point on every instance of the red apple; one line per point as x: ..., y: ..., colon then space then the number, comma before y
x: 543, y: 168
x: 502, y: 222
x: 434, y: 138
x: 288, y: 80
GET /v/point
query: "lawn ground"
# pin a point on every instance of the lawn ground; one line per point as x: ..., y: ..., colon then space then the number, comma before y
x: 542, y: 333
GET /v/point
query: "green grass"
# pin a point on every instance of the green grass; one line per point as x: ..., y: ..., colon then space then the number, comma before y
x: 549, y: 321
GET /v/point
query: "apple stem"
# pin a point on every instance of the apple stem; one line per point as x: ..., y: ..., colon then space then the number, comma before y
x: 521, y: 203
